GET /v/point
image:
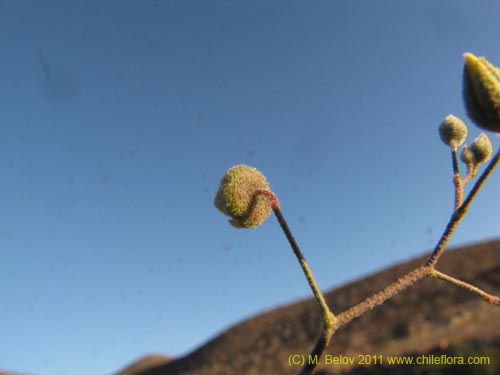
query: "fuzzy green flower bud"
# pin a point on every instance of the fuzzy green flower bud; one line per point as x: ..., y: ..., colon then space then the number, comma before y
x: 481, y: 148
x: 481, y: 91
x: 452, y: 131
x: 466, y: 155
x: 237, y: 197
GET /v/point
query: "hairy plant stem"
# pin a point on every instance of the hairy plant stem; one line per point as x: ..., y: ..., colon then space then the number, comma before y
x: 486, y: 296
x: 332, y: 322
x: 457, y: 179
x: 325, y: 311
x: 428, y: 268
x: 471, y: 170
x: 328, y: 318
x: 380, y: 297
x: 460, y: 212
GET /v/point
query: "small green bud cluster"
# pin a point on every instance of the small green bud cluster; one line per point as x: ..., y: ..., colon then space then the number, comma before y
x: 453, y: 132
x: 240, y: 196
x: 481, y: 92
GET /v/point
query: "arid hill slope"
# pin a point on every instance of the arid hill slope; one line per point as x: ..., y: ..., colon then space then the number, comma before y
x: 431, y: 314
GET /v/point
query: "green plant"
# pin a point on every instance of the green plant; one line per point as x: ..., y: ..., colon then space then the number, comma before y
x: 246, y: 197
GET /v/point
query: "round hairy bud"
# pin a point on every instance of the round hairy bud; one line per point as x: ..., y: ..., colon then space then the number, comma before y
x: 237, y: 197
x: 481, y: 91
x: 481, y: 148
x: 466, y: 155
x: 452, y: 131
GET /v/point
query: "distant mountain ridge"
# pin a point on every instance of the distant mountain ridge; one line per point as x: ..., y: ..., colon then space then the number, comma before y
x: 429, y: 315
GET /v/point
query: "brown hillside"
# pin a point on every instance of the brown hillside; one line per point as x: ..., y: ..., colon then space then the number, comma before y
x: 145, y: 363
x: 429, y: 315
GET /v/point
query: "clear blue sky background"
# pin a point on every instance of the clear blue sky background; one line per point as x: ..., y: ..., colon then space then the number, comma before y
x: 119, y: 118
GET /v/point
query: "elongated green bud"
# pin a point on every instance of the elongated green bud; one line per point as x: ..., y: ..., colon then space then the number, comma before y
x: 240, y: 197
x: 481, y: 91
x: 481, y: 148
x: 452, y: 131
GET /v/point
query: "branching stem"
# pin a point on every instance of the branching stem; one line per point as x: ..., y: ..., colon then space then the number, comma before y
x: 332, y: 322
x: 461, y: 211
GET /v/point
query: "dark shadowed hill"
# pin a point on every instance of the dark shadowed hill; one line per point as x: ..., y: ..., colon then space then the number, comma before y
x: 430, y: 317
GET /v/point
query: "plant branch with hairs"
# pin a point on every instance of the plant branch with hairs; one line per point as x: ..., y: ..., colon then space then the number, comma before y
x: 245, y: 196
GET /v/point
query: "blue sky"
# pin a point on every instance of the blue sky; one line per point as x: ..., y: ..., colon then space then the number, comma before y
x: 119, y: 118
